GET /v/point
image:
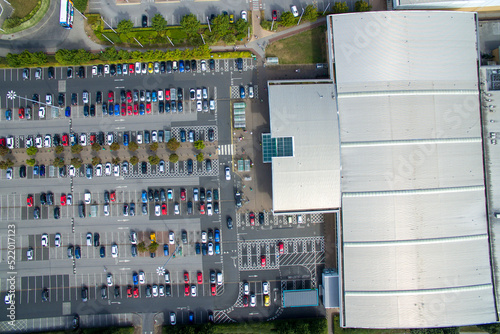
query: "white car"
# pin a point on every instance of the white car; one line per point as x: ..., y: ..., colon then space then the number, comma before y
x: 110, y: 138
x: 87, y: 197
x: 160, y: 94
x: 198, y: 93
x: 89, y: 239
x: 8, y: 173
x: 94, y: 70
x: 57, y: 240
x: 161, y: 166
x: 114, y: 250
x: 45, y: 240
x: 246, y: 288
x: 139, y: 138
x: 228, y: 173
x: 83, y: 139
x: 155, y: 290
x: 29, y: 142
x: 69, y: 199
x: 176, y: 209
x: 253, y: 301
x: 212, y: 105
x: 38, y: 142
x: 244, y: 15
x: 124, y: 68
x: 85, y: 97
x: 106, y: 69
x: 161, y: 290
x: 116, y: 170
x: 210, y: 248
x: 209, y: 209
x: 133, y: 238
x: 41, y: 112
x: 48, y: 99
x: 109, y: 280
x: 205, y: 93
x: 98, y: 170
x: 142, y: 277
x: 106, y: 209
x: 172, y: 318
x: 265, y: 288
x: 72, y: 170
x: 157, y: 210
x: 137, y: 67
x: 157, y: 67
x: 294, y: 11
x: 171, y: 237
x: 193, y: 290
x: 47, y: 142
x: 203, y: 65
x: 198, y: 106
x: 29, y: 254
x: 107, y: 169
x: 154, y: 136
x: 204, y: 237
x: 10, y: 142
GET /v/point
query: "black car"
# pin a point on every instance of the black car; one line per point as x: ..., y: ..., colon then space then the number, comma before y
x: 76, y: 322
x: 100, y: 138
x: 57, y: 140
x: 239, y: 64
x: 157, y: 195
x: 117, y: 291
x: 216, y: 207
x: 81, y: 211
x: 85, y: 293
x: 100, y: 69
x: 57, y: 213
x: 69, y: 72
x: 45, y: 295
x: 190, y: 166
x: 81, y: 72
x: 180, y: 94
x: 62, y: 171
x: 35, y: 98
x: 229, y: 222
x: 150, y: 195
x: 74, y: 99
x: 104, y: 292
x: 190, y: 208
x: 202, y: 194
x: 104, y: 109
x: 92, y: 110
x: 22, y: 171
x: 261, y: 218
x: 187, y: 66
x: 43, y: 199
x: 169, y: 66
x: 144, y: 21
x: 122, y: 96
x: 102, y: 252
x: 198, y: 248
x: 132, y: 209
x: 134, y: 250
x: 210, y: 135
x: 112, y: 69
x: 147, y: 137
x: 86, y: 112
x: 161, y: 107
x: 153, y: 255
x: 96, y: 240
x: 42, y: 170
x: 144, y: 167
x: 51, y: 72
x: 212, y: 64
x: 36, y: 213
x: 60, y: 99
x: 193, y: 65
x: 110, y: 109
x: 184, y: 237
x: 162, y: 67
x: 179, y: 106
x: 98, y: 97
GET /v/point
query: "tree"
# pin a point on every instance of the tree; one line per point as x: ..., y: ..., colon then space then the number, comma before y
x: 141, y: 247
x: 153, y: 247
x: 340, y: 7
x: 493, y: 328
x: 124, y: 26
x: 221, y: 25
x: 96, y: 147
x: 190, y: 24
x: 132, y: 146
x: 4, y: 150
x: 58, y: 162
x: 114, y: 146
x: 173, y: 144
x: 154, y: 160
x: 153, y: 147
x: 6, y: 164
x: 31, y: 150
x: 287, y: 19
x: 362, y: 6
x: 77, y: 162
x: 200, y: 157
x: 30, y: 162
x: 59, y: 149
x: 173, y: 158
x: 96, y: 161
x: 199, y: 145
x: 241, y: 26
x: 134, y: 160
x: 76, y: 149
x: 310, y: 13
x: 115, y: 161
x: 159, y: 23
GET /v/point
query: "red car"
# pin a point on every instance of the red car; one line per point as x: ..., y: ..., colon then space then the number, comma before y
x: 112, y: 196
x: 263, y: 260
x: 21, y: 113
x: 164, y: 209
x: 136, y: 292
x: 183, y: 194
x: 148, y: 108
x: 136, y: 109
x: 245, y: 301
x: 111, y: 97
x: 202, y: 209
x: 29, y: 201
x: 3, y: 142
x: 281, y: 247
x: 129, y: 109
x: 167, y: 94
x: 131, y: 68
x: 252, y: 218
x: 124, y: 112
x: 63, y: 199
x: 213, y: 289
x: 92, y: 139
x: 129, y: 96
x: 129, y: 292
x: 186, y: 277
x: 200, y: 277
x: 65, y: 140
x: 275, y: 15
x: 186, y: 290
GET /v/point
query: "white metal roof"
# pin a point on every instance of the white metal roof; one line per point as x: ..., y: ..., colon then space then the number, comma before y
x: 309, y: 180
x: 472, y: 5
x: 414, y: 229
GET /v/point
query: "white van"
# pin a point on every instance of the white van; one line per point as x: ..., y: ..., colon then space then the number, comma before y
x: 219, y: 278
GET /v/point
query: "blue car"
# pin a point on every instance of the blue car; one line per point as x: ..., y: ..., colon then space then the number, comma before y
x: 141, y: 109
x: 135, y: 277
x: 144, y: 196
x: 110, y: 109
x: 154, y: 96
x: 183, y: 136
x: 181, y: 66
x: 242, y: 92
x: 217, y: 235
x: 125, y: 139
x: 104, y: 108
x: 42, y: 170
x: 35, y: 169
x: 117, y: 109
x: 8, y: 114
x: 165, y: 250
x: 217, y: 248
x: 67, y: 112
x: 78, y: 253
x: 198, y: 248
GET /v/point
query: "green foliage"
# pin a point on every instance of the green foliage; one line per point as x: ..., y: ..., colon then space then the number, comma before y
x: 59, y: 149
x: 190, y: 24
x: 153, y: 247
x: 199, y: 145
x: 81, y: 5
x: 109, y: 54
x: 58, y: 162
x: 362, y: 6
x: 154, y: 159
x: 4, y: 150
x: 76, y: 149
x: 159, y: 23
x: 287, y: 19
x: 30, y: 162
x: 134, y: 160
x: 200, y: 157
x: 115, y: 161
x: 340, y: 7
x: 229, y: 39
x: 173, y: 144
x: 241, y: 27
x: 310, y: 13
x: 221, y: 25
x: 77, y: 162
x: 132, y: 146
x: 73, y: 57
x: 15, y: 21
x: 153, y: 147
x: 31, y: 150
x: 141, y: 247
x: 124, y: 26
x: 96, y: 161
x: 267, y: 25
x: 12, y: 22
x: 493, y: 328
x: 444, y: 330
x: 96, y: 147
x: 6, y: 164
x: 114, y: 146
x: 26, y: 58
x: 173, y: 158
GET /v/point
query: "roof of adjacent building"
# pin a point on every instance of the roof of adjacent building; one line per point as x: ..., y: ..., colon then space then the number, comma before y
x: 310, y: 178
x: 414, y: 228
x: 300, y: 298
x: 468, y: 5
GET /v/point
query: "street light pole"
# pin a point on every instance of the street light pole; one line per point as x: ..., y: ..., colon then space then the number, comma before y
x: 326, y: 9
x: 301, y: 16
x: 209, y: 24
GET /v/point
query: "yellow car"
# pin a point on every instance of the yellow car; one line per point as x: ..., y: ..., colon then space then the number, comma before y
x: 152, y: 236
x: 267, y: 300
x: 231, y: 18
x: 150, y: 67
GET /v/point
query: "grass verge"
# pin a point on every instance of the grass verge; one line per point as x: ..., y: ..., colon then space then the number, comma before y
x: 33, y: 21
x: 308, y: 47
x: 23, y: 7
